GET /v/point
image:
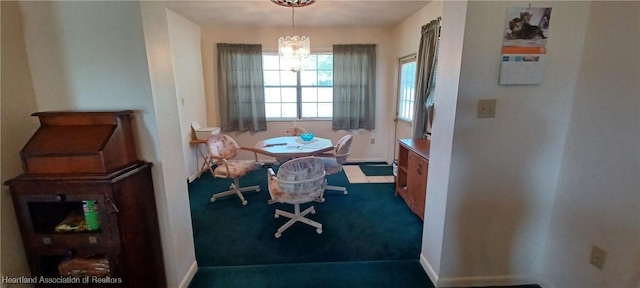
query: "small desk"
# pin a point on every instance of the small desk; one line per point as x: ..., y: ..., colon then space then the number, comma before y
x: 292, y: 147
x: 203, y: 154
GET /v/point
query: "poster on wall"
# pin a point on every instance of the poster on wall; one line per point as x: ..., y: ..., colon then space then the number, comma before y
x: 525, y: 33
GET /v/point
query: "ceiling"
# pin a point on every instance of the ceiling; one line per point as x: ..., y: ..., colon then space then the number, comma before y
x: 323, y: 13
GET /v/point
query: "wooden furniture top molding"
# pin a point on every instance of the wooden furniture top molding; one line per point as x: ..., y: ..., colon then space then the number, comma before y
x: 63, y: 118
x: 422, y: 147
x: 111, y: 177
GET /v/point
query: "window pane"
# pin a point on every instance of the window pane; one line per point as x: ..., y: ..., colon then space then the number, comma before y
x: 308, y: 78
x: 289, y: 110
x: 270, y: 62
x: 309, y: 94
x: 309, y: 110
x: 271, y: 78
x: 325, y: 78
x: 325, y: 110
x: 310, y: 63
x: 273, y: 110
x: 406, y: 89
x: 325, y: 94
x: 325, y: 62
x: 288, y: 78
x: 289, y: 95
x: 272, y: 95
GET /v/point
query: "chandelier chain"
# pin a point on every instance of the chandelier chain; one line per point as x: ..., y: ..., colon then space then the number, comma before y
x: 293, y: 21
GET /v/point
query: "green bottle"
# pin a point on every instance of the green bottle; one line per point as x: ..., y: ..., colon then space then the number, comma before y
x: 90, y: 215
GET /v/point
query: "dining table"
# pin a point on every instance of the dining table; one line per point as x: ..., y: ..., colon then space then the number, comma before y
x: 288, y: 147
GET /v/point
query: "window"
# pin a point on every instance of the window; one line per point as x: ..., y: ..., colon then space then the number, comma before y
x: 406, y: 88
x: 307, y: 94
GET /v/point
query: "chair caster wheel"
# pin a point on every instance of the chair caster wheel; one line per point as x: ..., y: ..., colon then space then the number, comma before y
x: 319, y: 231
x: 278, y: 235
x: 244, y: 202
x: 276, y: 216
x: 213, y: 199
x: 345, y: 192
x: 313, y: 211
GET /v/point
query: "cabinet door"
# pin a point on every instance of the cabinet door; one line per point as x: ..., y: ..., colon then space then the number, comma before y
x: 420, y: 191
x: 54, y: 226
x: 417, y: 183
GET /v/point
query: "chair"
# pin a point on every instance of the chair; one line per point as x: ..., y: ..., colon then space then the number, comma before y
x: 294, y: 131
x: 291, y: 131
x: 221, y: 149
x: 333, y: 161
x: 300, y: 180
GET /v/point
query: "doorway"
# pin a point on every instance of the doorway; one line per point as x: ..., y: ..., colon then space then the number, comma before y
x: 405, y: 100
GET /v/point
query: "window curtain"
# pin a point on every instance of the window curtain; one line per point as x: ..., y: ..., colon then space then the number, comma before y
x: 425, y: 72
x: 241, y: 87
x: 354, y: 86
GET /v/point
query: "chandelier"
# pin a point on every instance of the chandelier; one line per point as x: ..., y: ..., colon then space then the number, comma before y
x: 293, y: 49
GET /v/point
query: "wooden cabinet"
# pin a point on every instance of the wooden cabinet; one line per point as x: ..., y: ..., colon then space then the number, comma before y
x: 413, y: 167
x: 124, y: 250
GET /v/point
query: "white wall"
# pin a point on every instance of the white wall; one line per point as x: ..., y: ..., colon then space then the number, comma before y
x: 406, y: 39
x: 448, y: 81
x: 598, y: 197
x: 175, y: 213
x: 16, y: 105
x: 186, y: 53
x: 92, y: 56
x: 321, y: 40
x: 503, y: 172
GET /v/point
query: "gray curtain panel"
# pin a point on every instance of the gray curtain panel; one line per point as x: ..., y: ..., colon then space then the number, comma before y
x: 425, y: 72
x: 354, y: 86
x: 241, y: 87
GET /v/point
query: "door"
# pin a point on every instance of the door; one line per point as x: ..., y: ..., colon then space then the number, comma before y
x: 405, y: 99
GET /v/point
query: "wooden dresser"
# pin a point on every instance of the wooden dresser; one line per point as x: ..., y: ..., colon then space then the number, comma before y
x: 74, y: 161
x: 413, y: 167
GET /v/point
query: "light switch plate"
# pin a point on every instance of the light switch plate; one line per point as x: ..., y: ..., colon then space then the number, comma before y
x: 487, y: 108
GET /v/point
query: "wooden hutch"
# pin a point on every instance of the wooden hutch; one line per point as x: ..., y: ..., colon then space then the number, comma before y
x: 74, y: 158
x: 413, y: 167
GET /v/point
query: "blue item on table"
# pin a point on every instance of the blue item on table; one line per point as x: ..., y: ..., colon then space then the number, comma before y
x: 306, y: 136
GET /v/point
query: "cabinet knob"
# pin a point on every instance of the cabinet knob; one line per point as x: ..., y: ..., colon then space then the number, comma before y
x: 60, y: 198
x: 419, y: 169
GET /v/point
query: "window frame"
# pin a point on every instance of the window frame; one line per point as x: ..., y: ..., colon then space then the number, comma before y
x: 402, y: 61
x: 299, y: 86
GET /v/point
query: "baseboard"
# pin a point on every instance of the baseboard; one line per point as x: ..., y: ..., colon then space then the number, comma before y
x: 480, y: 281
x: 193, y: 177
x: 485, y: 281
x: 189, y: 276
x: 544, y: 284
x: 433, y: 276
x: 357, y: 160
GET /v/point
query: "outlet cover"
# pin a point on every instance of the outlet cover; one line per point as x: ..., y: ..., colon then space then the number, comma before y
x: 487, y: 108
x: 598, y: 257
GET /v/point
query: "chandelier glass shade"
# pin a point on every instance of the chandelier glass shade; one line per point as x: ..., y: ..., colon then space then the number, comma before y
x: 293, y: 3
x: 294, y: 49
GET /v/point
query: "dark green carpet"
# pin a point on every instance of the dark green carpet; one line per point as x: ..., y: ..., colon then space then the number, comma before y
x: 405, y: 273
x: 376, y: 169
x: 368, y: 224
